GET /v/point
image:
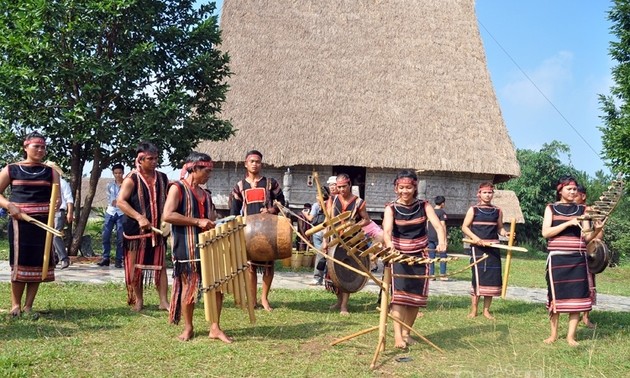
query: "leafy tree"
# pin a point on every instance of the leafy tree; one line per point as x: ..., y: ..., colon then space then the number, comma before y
x: 616, y: 117
x: 98, y: 76
x: 536, y: 187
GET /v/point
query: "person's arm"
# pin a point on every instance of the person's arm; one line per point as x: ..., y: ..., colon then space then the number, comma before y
x: 236, y: 201
x: 5, y: 181
x: 365, y: 217
x: 388, y: 226
x: 126, y: 189
x: 468, y: 219
x: 170, y: 214
x: 67, y: 196
x: 437, y: 225
x: 276, y: 195
x: 500, y: 229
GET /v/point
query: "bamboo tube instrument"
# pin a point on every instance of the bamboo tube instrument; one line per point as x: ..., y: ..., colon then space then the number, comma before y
x: 54, y: 195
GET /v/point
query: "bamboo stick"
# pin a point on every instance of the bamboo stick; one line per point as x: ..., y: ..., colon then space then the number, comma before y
x: 54, y: 195
x: 508, y: 258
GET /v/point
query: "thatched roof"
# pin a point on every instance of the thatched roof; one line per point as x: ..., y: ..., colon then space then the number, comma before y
x: 100, y: 196
x: 509, y: 204
x: 379, y: 84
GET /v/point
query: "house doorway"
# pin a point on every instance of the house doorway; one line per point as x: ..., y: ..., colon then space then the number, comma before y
x: 357, y: 175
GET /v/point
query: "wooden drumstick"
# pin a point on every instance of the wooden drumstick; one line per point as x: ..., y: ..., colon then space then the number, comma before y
x: 54, y: 195
x: 42, y: 225
x: 496, y: 245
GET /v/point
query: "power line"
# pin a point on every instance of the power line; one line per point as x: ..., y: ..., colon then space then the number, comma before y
x: 540, y: 91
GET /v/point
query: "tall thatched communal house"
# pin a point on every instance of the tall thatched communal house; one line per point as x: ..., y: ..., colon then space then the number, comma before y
x: 365, y: 87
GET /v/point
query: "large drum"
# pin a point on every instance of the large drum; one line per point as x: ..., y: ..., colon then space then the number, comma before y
x: 268, y: 237
x: 342, y: 277
x: 598, y: 256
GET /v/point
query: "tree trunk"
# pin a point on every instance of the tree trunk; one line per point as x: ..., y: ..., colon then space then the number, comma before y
x: 83, y: 209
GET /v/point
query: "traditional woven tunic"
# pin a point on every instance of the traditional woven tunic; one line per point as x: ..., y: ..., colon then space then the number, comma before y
x: 186, y: 265
x: 486, y: 276
x: 353, y: 205
x: 569, y: 285
x: 409, y: 236
x: 250, y: 199
x: 31, y: 187
x: 148, y: 199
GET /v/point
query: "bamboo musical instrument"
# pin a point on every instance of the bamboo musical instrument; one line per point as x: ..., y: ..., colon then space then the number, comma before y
x: 223, y: 267
x: 42, y: 225
x: 508, y: 258
x: 54, y: 195
x: 496, y: 245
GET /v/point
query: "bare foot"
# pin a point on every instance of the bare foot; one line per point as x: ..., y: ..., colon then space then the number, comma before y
x: 15, y: 311
x: 488, y: 315
x: 267, y: 306
x: 589, y: 324
x: 344, y: 313
x: 220, y: 335
x: 164, y: 306
x: 572, y: 342
x: 472, y: 315
x: 400, y: 343
x: 186, y: 335
x: 138, y: 306
x: 550, y: 340
x: 410, y: 340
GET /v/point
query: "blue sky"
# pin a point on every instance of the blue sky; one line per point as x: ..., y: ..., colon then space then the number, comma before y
x: 548, y: 60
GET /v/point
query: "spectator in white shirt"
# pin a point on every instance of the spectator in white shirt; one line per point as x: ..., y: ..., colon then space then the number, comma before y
x: 113, y: 217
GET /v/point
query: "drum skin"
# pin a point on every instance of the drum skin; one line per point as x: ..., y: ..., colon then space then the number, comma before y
x: 343, y: 278
x: 268, y: 237
x: 598, y: 256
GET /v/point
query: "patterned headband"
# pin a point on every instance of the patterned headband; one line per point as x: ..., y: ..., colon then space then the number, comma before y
x: 565, y: 183
x: 342, y: 181
x: 406, y: 181
x: 38, y: 140
x: 485, y: 187
x: 194, y: 164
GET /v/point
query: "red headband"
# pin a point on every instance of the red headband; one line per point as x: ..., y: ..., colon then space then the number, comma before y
x: 406, y: 181
x: 34, y: 140
x: 342, y: 180
x: 485, y: 187
x: 565, y: 183
x: 247, y: 157
x: 190, y: 165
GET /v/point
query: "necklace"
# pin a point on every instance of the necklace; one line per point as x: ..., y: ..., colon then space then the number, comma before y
x: 493, y: 209
x: 555, y: 208
x: 32, y: 173
x: 416, y: 202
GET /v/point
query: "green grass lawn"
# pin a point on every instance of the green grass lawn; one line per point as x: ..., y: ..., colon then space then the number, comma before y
x: 88, y: 331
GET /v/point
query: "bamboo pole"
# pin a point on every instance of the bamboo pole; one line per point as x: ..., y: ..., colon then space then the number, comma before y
x: 243, y: 253
x: 508, y: 258
x: 382, y: 326
x: 54, y: 195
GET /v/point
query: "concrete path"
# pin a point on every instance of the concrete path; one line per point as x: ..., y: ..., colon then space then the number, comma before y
x: 90, y: 273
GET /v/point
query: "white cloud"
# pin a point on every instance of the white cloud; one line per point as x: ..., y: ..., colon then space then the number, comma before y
x: 547, y: 78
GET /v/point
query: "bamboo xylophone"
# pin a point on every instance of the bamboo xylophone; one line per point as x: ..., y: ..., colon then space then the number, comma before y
x: 223, y: 267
